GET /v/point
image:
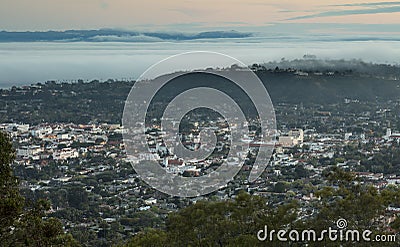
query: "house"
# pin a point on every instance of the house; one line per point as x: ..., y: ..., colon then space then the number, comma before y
x: 65, y: 153
x: 150, y: 201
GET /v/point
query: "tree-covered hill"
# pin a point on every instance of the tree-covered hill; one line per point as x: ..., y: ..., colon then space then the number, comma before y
x: 96, y: 101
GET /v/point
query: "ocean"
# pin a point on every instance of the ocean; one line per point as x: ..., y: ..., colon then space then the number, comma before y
x: 26, y: 63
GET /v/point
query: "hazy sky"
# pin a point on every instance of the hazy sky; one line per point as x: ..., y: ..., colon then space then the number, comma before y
x: 134, y: 14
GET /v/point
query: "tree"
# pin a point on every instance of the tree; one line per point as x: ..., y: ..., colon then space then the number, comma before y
x: 221, y: 223
x: 360, y: 204
x: 280, y: 187
x: 151, y: 238
x: 11, y: 202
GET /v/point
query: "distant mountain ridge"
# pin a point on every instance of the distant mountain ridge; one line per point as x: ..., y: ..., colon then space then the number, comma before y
x: 114, y: 35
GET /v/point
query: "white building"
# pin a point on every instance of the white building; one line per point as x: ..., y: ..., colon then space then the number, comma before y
x: 298, y: 134
x: 65, y: 153
x: 293, y: 138
x: 391, y: 136
x: 41, y: 132
x: 29, y: 151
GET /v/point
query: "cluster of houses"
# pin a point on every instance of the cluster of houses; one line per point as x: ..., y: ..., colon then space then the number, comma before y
x: 58, y: 142
x: 42, y: 143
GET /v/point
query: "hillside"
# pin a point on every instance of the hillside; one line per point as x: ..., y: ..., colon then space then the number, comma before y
x: 96, y: 101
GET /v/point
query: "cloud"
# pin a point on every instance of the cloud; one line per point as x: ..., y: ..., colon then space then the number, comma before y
x: 368, y: 4
x: 377, y: 9
x: 124, y: 38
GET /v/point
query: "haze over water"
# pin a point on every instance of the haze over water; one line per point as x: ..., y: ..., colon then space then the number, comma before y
x: 27, y: 63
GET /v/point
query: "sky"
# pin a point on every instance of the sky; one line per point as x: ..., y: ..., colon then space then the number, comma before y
x: 358, y: 29
x: 25, y: 15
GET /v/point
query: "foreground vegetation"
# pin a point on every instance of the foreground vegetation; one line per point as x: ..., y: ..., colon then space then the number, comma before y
x: 236, y: 222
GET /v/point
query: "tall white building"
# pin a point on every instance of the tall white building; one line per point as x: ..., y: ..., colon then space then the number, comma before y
x: 388, y: 133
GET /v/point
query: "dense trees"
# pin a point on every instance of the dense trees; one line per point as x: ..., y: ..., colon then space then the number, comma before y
x: 11, y: 202
x: 236, y: 222
x: 23, y: 223
x: 220, y: 223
